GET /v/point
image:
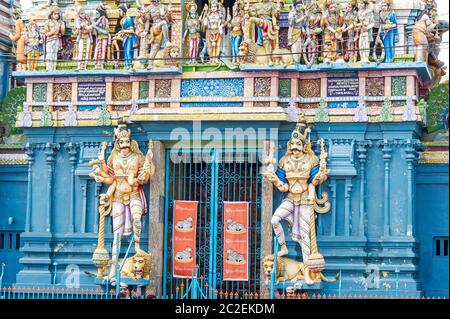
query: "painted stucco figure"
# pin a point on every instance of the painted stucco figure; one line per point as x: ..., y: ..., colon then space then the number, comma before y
x: 299, y: 172
x: 332, y: 31
x: 192, y: 33
x: 19, y: 38
x: 53, y: 31
x: 83, y: 30
x: 388, y: 30
x: 235, y: 25
x: 33, y: 45
x: 364, y: 26
x: 160, y: 17
x: 350, y: 34
x: 213, y: 24
x: 103, y: 38
x: 125, y: 171
x: 297, y: 20
x: 127, y: 35
x: 313, y: 30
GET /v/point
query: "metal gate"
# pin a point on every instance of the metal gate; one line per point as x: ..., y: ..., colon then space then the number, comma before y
x: 211, y: 179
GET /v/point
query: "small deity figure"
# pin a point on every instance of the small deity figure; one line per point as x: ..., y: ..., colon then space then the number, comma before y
x: 297, y: 20
x: 213, y: 23
x: 33, y: 45
x: 299, y: 173
x: 101, y: 29
x: 19, y: 38
x: 332, y: 31
x: 268, y: 12
x: 192, y: 33
x: 142, y: 27
x: 364, y: 27
x: 313, y: 31
x: 350, y: 34
x: 423, y: 32
x: 127, y: 35
x: 160, y: 17
x: 126, y: 170
x: 83, y: 31
x: 236, y: 29
x: 54, y: 30
x: 388, y: 30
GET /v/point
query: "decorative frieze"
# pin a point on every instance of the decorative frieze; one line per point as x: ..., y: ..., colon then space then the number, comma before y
x: 62, y: 92
x: 375, y: 86
x: 122, y: 91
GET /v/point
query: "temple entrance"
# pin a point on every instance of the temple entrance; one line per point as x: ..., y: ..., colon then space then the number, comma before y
x: 222, y: 176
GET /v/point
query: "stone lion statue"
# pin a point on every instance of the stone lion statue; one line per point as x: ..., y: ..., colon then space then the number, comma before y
x: 251, y: 53
x: 138, y: 266
x: 167, y: 57
x: 292, y: 270
x: 282, y: 57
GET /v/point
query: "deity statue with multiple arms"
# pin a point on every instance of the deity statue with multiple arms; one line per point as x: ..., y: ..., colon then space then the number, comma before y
x: 332, y: 31
x: 33, y: 45
x: 103, y: 39
x: 364, y: 27
x: 350, y: 34
x: 83, y: 30
x: 235, y: 25
x: 54, y: 30
x: 160, y: 17
x: 298, y: 174
x: 125, y: 171
x: 388, y: 30
x: 192, y: 33
x: 313, y: 31
x: 213, y: 23
x: 296, y: 33
x: 19, y: 38
x: 127, y: 35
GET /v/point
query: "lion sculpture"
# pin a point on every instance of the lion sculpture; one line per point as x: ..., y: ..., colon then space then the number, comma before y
x: 167, y: 57
x: 138, y: 266
x: 251, y: 53
x: 292, y: 270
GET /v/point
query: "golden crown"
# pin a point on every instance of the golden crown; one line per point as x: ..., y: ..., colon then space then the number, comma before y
x: 301, y: 130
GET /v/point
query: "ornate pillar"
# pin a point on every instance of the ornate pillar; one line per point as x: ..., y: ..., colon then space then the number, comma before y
x: 29, y: 150
x: 50, y: 151
x: 72, y: 150
x: 361, y: 149
x: 83, y: 209
x: 387, y: 156
x: 411, y: 158
x: 347, y: 194
x: 332, y: 186
x: 98, y: 187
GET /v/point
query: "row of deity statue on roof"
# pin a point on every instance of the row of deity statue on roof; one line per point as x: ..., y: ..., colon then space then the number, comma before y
x: 326, y: 31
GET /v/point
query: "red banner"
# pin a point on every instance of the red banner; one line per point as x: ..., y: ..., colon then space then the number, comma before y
x: 235, y: 241
x: 184, y: 238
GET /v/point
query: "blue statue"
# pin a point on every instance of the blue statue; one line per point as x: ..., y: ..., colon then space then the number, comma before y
x: 388, y: 30
x: 129, y: 39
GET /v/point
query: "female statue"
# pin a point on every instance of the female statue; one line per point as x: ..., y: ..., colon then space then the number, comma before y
x: 101, y: 27
x: 18, y: 37
x: 331, y: 23
x: 236, y: 30
x: 192, y: 33
x: 350, y: 34
x: 83, y: 32
x: 54, y: 30
x: 33, y: 48
x: 127, y: 35
x: 364, y: 26
x: 213, y: 23
x: 388, y: 30
x: 297, y: 18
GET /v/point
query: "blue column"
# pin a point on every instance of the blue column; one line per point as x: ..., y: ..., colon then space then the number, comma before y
x: 72, y: 149
x: 362, y: 156
x: 50, y: 152
x: 29, y: 150
x: 411, y: 158
x: 387, y: 156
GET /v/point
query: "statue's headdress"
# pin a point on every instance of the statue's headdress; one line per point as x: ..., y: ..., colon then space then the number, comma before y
x: 301, y: 130
x: 121, y: 131
x: 102, y: 9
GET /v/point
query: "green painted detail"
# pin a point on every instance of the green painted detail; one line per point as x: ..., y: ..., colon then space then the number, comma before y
x: 46, y: 117
x: 205, y: 67
x: 322, y: 113
x: 72, y: 65
x: 404, y: 58
x: 40, y: 92
x: 13, y: 146
x: 386, y: 112
x: 398, y: 86
x: 10, y: 107
x: 143, y: 89
x: 284, y: 88
x: 437, y: 107
x: 105, y: 117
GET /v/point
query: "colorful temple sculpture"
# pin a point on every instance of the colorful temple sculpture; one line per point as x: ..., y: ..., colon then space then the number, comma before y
x: 198, y: 147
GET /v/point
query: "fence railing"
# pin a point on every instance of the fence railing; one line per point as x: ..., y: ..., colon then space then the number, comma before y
x: 63, y: 293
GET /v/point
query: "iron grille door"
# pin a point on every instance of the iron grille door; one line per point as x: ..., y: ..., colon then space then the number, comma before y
x: 211, y: 180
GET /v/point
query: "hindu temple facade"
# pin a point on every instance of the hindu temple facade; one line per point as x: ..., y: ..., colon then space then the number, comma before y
x: 387, y: 229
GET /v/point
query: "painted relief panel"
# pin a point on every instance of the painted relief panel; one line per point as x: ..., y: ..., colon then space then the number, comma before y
x: 375, y: 86
x: 62, y: 92
x: 226, y: 87
x: 162, y: 89
x: 308, y: 88
x: 262, y: 88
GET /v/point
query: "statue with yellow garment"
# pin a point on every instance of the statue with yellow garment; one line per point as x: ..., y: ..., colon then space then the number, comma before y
x: 125, y: 171
x: 299, y: 172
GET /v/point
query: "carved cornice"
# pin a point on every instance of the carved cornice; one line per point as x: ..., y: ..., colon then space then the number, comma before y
x: 72, y: 150
x: 50, y: 151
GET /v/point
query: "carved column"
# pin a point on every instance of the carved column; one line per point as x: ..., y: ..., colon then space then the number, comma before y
x: 362, y: 156
x: 387, y: 156
x: 156, y: 225
x: 83, y: 209
x: 29, y: 150
x: 72, y: 150
x: 50, y: 151
x: 332, y: 186
x: 411, y: 158
x: 98, y: 187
